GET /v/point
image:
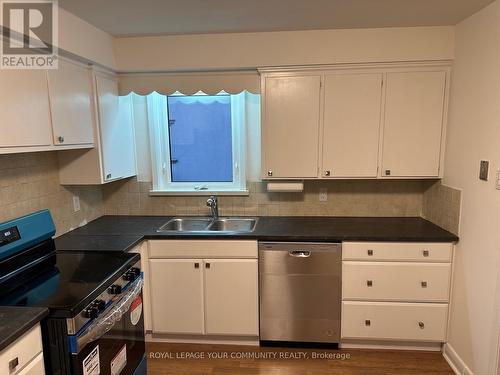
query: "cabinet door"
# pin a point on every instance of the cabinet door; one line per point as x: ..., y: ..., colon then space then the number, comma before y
x: 351, y: 125
x: 70, y: 89
x: 177, y: 296
x: 291, y: 126
x: 413, y: 127
x: 116, y: 130
x: 231, y: 298
x: 24, y: 109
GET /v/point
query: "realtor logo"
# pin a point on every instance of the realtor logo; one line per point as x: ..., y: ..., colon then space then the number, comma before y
x: 29, y: 34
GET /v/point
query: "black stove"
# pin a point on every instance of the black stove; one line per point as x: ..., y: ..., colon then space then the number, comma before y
x: 95, y: 323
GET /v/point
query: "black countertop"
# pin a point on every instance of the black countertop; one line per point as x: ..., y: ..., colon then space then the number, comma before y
x: 120, y: 233
x: 15, y: 321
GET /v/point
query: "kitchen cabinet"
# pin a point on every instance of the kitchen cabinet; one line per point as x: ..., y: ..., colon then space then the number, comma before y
x: 70, y: 92
x: 177, y: 296
x: 351, y: 125
x: 375, y: 121
x: 113, y: 158
x: 24, y: 113
x: 206, y: 292
x: 226, y: 300
x: 395, y: 291
x: 292, y: 119
x: 413, y: 127
x: 25, y: 355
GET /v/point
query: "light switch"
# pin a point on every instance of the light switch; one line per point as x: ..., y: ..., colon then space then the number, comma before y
x: 497, y: 183
x: 484, y: 170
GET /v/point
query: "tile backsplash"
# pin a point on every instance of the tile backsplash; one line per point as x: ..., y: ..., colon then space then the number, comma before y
x: 441, y: 205
x: 30, y: 182
x: 345, y: 198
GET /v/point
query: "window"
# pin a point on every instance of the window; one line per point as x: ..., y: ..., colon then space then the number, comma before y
x: 197, y: 143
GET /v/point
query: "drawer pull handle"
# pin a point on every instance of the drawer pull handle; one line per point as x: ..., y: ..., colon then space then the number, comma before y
x: 424, y: 284
x: 425, y: 253
x: 421, y: 325
x: 197, y: 265
x: 369, y: 283
x: 13, y: 363
x: 370, y: 252
x: 368, y: 322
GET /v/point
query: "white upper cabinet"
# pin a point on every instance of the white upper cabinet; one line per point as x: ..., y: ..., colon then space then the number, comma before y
x: 70, y: 89
x: 376, y: 121
x: 116, y: 130
x: 24, y: 111
x: 351, y: 125
x: 291, y: 126
x: 414, y: 118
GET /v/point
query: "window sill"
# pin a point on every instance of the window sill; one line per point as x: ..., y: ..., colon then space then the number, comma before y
x: 157, y: 193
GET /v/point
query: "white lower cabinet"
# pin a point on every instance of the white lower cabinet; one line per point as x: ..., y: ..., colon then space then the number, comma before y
x: 230, y: 305
x: 24, y: 356
x: 208, y: 292
x: 177, y: 296
x: 395, y: 291
x: 394, y: 321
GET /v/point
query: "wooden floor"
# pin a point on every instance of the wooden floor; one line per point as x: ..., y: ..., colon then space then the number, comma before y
x: 173, y: 359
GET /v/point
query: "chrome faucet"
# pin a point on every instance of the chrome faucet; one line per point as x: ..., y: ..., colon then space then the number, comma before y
x: 214, y: 208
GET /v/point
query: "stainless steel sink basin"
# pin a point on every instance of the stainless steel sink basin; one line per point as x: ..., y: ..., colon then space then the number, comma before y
x: 209, y: 225
x: 185, y: 224
x: 233, y: 224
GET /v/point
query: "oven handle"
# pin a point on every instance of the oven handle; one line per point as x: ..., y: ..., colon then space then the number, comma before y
x: 101, y: 325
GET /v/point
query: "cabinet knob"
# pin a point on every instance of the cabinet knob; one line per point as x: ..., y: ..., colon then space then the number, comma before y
x: 370, y: 252
x: 269, y: 173
x: 369, y: 283
x: 387, y: 172
x: 421, y: 325
x: 425, y: 253
x: 368, y: 322
x: 424, y: 284
x: 13, y: 363
x: 197, y: 265
x: 60, y: 139
x: 108, y: 176
x: 327, y: 173
x: 207, y: 265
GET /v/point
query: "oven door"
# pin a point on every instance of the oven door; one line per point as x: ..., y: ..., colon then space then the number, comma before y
x: 115, y: 343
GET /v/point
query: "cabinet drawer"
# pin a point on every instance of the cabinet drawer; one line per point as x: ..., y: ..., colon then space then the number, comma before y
x: 397, y: 251
x: 394, y: 321
x: 27, y: 347
x: 182, y: 249
x: 395, y: 281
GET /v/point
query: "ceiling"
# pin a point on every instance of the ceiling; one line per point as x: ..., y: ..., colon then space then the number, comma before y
x: 157, y: 17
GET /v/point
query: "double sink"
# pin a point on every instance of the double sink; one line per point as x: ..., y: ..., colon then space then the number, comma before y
x: 210, y: 225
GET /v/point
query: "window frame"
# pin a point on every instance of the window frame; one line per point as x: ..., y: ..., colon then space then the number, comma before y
x: 160, y: 152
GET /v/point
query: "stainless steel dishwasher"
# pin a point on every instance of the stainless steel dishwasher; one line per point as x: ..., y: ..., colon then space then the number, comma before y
x: 300, y: 292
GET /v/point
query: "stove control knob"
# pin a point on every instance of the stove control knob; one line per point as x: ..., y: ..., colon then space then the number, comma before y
x: 91, y: 312
x: 129, y: 276
x: 100, y: 304
x: 115, y: 289
x: 136, y: 271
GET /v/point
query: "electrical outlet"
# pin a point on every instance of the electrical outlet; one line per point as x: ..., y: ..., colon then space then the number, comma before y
x: 76, y: 203
x: 323, y: 195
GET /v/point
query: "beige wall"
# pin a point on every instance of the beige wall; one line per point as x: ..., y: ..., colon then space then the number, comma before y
x: 85, y: 40
x: 30, y: 182
x: 474, y: 134
x: 250, y: 50
x: 345, y: 198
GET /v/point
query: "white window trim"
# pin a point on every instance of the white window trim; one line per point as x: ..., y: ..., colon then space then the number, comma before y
x: 160, y: 153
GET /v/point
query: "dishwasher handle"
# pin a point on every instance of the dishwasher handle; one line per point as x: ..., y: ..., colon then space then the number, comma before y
x: 299, y: 253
